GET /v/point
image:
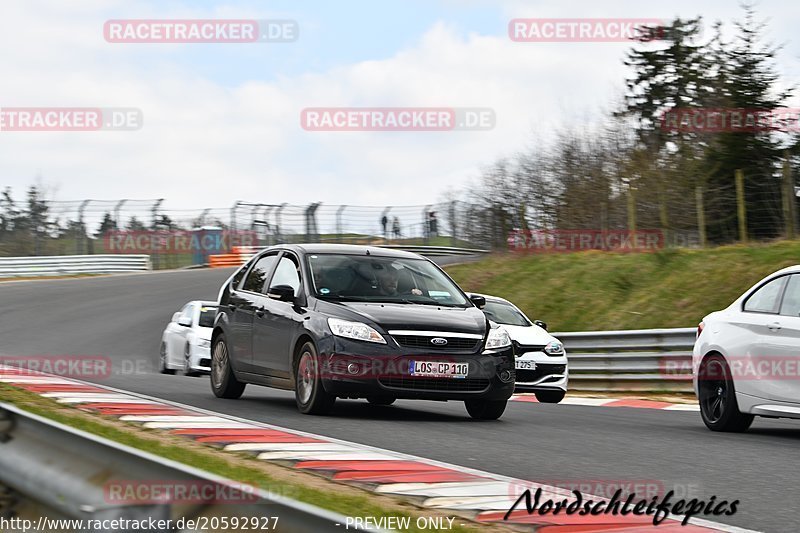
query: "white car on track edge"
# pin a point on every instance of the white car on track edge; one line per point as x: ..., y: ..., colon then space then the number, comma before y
x: 746, y: 359
x: 186, y: 341
x: 541, y: 361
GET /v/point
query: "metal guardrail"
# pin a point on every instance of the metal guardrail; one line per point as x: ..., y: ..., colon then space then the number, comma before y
x: 645, y: 360
x: 67, y: 472
x: 58, y: 265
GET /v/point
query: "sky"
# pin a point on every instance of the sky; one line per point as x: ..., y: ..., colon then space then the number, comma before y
x: 221, y: 121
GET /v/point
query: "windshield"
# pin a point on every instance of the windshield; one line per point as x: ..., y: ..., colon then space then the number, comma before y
x: 364, y: 278
x: 504, y: 313
x: 207, y: 314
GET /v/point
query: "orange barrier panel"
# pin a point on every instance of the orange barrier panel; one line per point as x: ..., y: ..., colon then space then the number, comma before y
x: 225, y: 260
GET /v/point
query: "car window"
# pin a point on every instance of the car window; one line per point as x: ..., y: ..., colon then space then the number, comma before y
x: 791, y: 297
x: 286, y: 274
x: 186, y: 313
x: 257, y: 276
x: 237, y: 278
x: 207, y: 315
x: 767, y: 298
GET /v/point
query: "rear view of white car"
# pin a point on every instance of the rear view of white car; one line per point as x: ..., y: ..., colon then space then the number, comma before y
x: 186, y: 341
x: 541, y: 361
x: 746, y: 359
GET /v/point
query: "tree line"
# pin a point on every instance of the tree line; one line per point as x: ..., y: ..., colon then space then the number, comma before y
x: 638, y: 170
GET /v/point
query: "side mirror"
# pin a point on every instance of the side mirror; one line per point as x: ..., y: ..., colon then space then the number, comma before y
x: 175, y: 316
x: 541, y: 324
x: 282, y: 293
x: 479, y: 301
x: 185, y: 322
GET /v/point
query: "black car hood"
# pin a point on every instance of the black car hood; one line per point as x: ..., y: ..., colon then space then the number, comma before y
x: 410, y: 316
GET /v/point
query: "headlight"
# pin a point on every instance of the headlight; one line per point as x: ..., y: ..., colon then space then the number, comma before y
x: 554, y: 348
x: 204, y: 343
x: 354, y: 330
x: 498, y: 338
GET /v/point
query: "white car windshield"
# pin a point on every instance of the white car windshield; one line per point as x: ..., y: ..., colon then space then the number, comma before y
x: 207, y: 315
x: 503, y: 313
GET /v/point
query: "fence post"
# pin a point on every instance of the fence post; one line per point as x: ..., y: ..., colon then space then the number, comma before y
x: 740, y: 205
x: 453, y: 224
x: 339, y: 232
x: 701, y: 215
x: 81, y: 209
x: 788, y: 200
x: 631, y: 209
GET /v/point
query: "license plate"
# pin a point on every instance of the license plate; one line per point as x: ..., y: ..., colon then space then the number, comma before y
x: 435, y: 369
x: 526, y: 365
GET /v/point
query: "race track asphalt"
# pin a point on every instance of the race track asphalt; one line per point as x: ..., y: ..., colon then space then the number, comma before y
x: 123, y: 316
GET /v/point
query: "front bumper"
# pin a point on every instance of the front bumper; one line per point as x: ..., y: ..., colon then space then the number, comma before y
x: 200, y: 359
x: 384, y: 371
x: 550, y: 373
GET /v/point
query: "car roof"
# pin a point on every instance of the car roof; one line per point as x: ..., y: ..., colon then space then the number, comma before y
x: 788, y: 270
x: 348, y: 249
x: 490, y: 298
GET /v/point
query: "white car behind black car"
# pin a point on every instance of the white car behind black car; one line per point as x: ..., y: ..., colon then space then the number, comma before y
x: 746, y: 356
x: 541, y: 361
x: 186, y: 341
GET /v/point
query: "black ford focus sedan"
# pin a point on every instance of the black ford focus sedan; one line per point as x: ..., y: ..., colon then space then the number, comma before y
x: 337, y: 321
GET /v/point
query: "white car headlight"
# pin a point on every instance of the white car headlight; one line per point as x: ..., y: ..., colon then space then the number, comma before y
x: 554, y: 348
x: 204, y: 343
x: 498, y: 338
x: 355, y: 330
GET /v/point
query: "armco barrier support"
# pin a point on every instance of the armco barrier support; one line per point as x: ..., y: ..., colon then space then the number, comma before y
x: 645, y: 360
x: 59, y: 265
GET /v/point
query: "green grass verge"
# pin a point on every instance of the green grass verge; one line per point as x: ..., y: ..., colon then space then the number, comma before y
x: 239, y: 467
x: 587, y: 291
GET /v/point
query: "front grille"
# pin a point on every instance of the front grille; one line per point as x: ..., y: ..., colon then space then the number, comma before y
x: 453, y: 343
x: 520, y: 349
x: 436, y: 384
x: 542, y: 370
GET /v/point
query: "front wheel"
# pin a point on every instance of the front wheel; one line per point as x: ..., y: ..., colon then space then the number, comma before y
x: 550, y: 396
x: 187, y: 362
x: 485, y: 410
x: 309, y: 394
x: 162, y: 360
x: 717, y: 397
x: 223, y: 383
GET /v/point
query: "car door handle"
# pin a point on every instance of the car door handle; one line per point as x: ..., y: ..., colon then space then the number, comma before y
x: 232, y: 307
x: 775, y: 326
x: 260, y: 312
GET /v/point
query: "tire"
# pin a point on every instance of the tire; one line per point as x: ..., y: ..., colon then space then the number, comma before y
x: 381, y: 400
x: 187, y: 368
x: 309, y: 394
x: 223, y: 383
x: 550, y: 396
x: 162, y: 360
x: 486, y: 410
x: 717, y: 397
